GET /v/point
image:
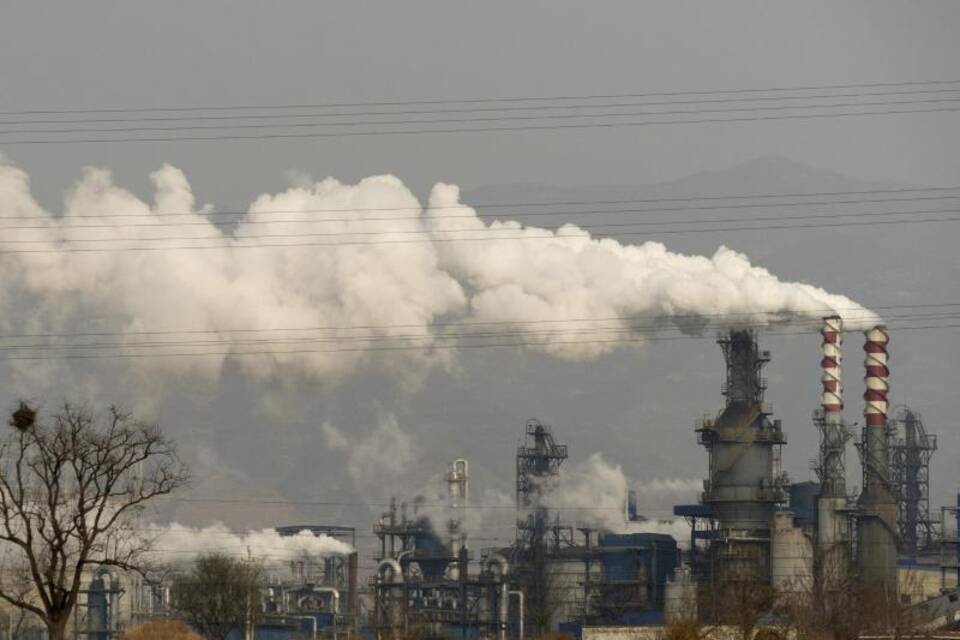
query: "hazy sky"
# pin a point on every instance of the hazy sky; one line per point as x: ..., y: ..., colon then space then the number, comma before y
x: 61, y: 55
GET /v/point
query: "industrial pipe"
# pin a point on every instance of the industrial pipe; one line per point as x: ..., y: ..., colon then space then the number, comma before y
x: 499, y: 560
x: 520, y: 612
x: 396, y: 578
x: 390, y: 563
x: 502, y: 612
x: 336, y: 604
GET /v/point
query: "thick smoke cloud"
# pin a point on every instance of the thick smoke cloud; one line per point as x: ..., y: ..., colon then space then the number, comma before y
x: 386, y: 276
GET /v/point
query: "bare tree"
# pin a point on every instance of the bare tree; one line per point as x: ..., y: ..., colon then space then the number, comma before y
x: 218, y: 595
x: 69, y: 489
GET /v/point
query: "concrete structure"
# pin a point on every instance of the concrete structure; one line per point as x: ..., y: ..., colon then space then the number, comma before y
x: 877, y: 526
x: 791, y: 557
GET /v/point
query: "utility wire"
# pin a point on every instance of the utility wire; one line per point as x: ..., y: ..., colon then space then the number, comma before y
x: 654, y: 318
x: 481, y: 129
x: 431, y: 347
x: 489, y: 236
x: 471, y: 120
x: 632, y: 329
x: 56, y: 223
x: 335, y: 503
x: 500, y: 205
x: 509, y: 108
x: 507, y: 99
x: 605, y: 226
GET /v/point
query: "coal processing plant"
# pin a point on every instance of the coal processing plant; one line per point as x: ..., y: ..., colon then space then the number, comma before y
x: 754, y: 541
x: 753, y: 535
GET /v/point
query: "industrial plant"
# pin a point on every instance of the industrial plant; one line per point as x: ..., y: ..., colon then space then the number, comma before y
x: 755, y: 538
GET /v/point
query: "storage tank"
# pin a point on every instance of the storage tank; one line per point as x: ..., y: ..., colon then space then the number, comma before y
x: 791, y: 556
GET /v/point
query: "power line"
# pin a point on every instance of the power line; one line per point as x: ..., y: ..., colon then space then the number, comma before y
x: 606, y: 226
x: 354, y: 503
x: 528, y: 234
x: 475, y: 119
x: 537, y: 107
x: 55, y: 224
x: 632, y: 329
x: 659, y: 317
x: 431, y: 347
x: 484, y: 129
x: 507, y: 99
x: 498, y: 205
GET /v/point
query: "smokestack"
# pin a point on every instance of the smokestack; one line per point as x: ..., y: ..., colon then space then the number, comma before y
x: 831, y: 400
x: 833, y: 531
x: 878, y: 509
x: 875, y: 410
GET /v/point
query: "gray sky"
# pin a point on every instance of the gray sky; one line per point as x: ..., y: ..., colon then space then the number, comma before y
x: 133, y: 54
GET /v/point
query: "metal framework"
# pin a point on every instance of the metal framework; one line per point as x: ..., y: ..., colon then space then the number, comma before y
x: 538, y: 462
x: 423, y: 585
x: 911, y: 448
x: 830, y: 465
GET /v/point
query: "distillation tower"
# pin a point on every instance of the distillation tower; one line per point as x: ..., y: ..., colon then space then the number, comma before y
x: 745, y: 482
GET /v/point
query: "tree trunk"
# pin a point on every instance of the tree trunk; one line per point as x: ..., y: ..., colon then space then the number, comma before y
x: 57, y: 627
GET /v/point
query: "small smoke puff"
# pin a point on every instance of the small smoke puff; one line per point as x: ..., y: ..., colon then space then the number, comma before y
x: 383, y: 455
x: 174, y: 543
x: 333, y: 437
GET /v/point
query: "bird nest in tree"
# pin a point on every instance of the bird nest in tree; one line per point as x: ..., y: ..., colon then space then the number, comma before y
x: 24, y: 417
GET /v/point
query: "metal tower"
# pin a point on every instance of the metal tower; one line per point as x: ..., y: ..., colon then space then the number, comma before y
x: 538, y: 463
x: 910, y: 453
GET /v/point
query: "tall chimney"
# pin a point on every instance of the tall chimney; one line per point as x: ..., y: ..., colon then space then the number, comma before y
x: 832, y: 398
x: 878, y: 508
x: 833, y: 530
x: 833, y: 442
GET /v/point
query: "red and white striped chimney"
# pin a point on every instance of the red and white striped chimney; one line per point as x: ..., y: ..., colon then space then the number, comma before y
x: 831, y: 400
x: 878, y: 385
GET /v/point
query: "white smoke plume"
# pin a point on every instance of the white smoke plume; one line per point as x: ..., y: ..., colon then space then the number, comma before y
x: 594, y: 493
x: 363, y: 267
x: 378, y: 459
x: 175, y: 543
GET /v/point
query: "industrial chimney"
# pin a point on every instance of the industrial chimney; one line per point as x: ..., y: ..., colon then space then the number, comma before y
x: 878, y: 507
x: 833, y: 530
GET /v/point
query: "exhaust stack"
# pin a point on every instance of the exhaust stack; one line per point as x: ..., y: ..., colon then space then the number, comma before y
x: 832, y: 398
x: 833, y: 529
x: 878, y: 508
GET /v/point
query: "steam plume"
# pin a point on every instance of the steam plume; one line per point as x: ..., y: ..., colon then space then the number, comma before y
x: 401, y: 277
